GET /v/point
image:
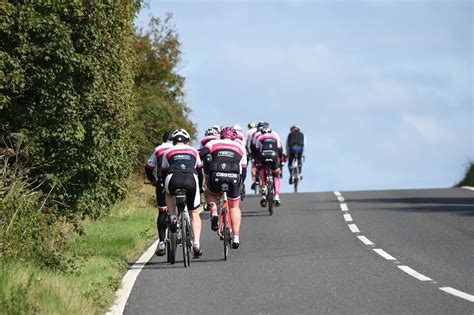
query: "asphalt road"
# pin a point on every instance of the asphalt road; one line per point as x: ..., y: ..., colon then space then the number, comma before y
x: 309, y: 257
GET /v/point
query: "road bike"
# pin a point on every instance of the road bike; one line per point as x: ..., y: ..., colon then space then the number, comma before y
x: 223, y: 228
x: 268, y: 189
x: 183, y: 236
x: 295, y: 172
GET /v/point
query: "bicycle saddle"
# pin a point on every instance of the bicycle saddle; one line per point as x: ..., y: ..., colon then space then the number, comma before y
x: 180, y: 196
x: 224, y: 187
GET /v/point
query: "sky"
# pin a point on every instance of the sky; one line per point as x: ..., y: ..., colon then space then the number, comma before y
x: 382, y: 90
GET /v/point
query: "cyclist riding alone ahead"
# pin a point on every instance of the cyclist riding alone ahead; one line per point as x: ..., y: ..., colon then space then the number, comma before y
x: 155, y: 160
x: 229, y: 165
x: 294, y: 148
x: 268, y: 146
x: 182, y: 169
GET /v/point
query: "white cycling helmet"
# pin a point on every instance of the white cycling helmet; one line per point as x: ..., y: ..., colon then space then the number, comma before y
x: 266, y: 130
x: 217, y: 127
x: 180, y: 135
x: 237, y: 128
x: 211, y: 132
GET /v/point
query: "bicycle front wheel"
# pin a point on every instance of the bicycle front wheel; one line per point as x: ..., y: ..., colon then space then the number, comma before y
x: 226, y: 232
x: 184, y: 241
x: 270, y: 196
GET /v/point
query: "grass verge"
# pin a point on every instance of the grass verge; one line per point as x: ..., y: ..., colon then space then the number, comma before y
x: 99, y: 259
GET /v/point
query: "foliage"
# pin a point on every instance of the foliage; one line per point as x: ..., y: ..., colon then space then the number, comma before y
x: 160, y: 88
x: 67, y: 76
x: 468, y: 179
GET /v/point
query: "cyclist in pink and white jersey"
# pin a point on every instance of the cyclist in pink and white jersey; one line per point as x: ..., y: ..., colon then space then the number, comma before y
x: 182, y: 169
x: 269, y: 146
x: 209, y: 135
x: 154, y: 161
x: 229, y: 165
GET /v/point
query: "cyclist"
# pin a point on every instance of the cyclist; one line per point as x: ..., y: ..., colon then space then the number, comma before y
x: 210, y: 134
x: 253, y: 150
x: 248, y: 144
x: 295, y: 147
x: 182, y: 169
x: 155, y: 160
x: 229, y: 165
x: 269, y: 145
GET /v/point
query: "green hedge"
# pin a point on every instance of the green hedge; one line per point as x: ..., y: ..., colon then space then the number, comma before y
x: 67, y: 82
x: 468, y: 179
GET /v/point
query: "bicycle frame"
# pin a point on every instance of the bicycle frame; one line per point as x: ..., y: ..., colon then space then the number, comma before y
x: 223, y: 229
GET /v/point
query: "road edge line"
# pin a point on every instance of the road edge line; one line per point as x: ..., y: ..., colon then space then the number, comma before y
x: 128, y: 281
x: 468, y: 187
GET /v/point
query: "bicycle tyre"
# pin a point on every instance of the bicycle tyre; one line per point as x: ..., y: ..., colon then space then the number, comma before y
x: 184, y: 242
x: 189, y: 241
x: 168, y: 246
x: 296, y: 179
x: 270, y: 197
x: 173, y: 241
x: 225, y: 229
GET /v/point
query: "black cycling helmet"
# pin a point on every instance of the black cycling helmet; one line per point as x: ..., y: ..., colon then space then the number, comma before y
x: 180, y: 135
x: 295, y: 127
x: 266, y: 130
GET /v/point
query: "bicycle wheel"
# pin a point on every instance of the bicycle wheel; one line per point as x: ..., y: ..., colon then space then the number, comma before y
x: 172, y: 250
x: 296, y: 179
x: 184, y: 243
x: 225, y: 230
x: 270, y: 195
x: 168, y: 246
x: 189, y: 241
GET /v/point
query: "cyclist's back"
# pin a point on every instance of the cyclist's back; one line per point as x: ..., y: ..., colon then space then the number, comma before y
x: 295, y: 148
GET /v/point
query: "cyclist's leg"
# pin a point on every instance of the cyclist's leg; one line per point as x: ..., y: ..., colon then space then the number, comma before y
x: 170, y: 187
x: 235, y: 214
x: 276, y: 178
x: 212, y: 193
x: 193, y: 203
x: 300, y: 162
x: 162, y: 214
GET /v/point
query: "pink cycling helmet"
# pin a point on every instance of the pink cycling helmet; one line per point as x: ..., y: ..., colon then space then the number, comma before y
x: 228, y: 132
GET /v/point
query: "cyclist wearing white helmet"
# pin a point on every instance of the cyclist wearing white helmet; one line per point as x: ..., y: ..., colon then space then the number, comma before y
x: 182, y: 169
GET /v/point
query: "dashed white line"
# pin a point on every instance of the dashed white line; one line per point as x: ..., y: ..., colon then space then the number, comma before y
x: 458, y: 293
x: 338, y: 194
x: 347, y: 217
x: 364, y: 240
x: 344, y: 207
x: 353, y: 228
x: 340, y: 199
x: 414, y: 273
x: 129, y: 280
x: 384, y: 254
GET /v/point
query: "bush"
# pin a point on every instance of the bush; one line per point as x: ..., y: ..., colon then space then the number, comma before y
x: 468, y: 179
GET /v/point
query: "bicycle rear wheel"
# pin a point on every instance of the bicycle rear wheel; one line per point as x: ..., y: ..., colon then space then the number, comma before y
x: 172, y: 249
x: 184, y: 242
x: 189, y: 241
x: 270, y: 196
x: 226, y: 232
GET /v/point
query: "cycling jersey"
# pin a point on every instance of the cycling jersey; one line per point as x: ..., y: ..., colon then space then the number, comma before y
x: 248, y: 139
x: 206, y: 139
x: 155, y: 160
x: 228, y: 164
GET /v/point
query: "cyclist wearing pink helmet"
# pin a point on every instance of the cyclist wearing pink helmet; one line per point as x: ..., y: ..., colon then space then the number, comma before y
x: 228, y: 165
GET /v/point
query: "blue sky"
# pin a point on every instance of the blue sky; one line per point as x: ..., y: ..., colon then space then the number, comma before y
x: 383, y: 90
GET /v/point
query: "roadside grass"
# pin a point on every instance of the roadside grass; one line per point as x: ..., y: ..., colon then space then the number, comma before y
x: 99, y: 258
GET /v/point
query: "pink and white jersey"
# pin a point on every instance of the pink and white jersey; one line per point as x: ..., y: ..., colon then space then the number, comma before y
x: 248, y: 137
x: 181, y: 158
x: 268, y: 140
x: 206, y: 139
x: 155, y: 158
x: 227, y: 153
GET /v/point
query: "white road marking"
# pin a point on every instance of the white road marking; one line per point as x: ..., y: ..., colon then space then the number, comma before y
x: 414, y: 273
x: 338, y: 194
x: 129, y: 280
x: 344, y: 207
x: 468, y: 187
x: 347, y: 217
x: 340, y: 199
x: 353, y: 228
x: 384, y: 254
x: 458, y: 293
x: 365, y: 240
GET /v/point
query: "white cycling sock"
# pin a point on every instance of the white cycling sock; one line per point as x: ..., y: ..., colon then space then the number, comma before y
x: 236, y: 238
x: 196, y: 244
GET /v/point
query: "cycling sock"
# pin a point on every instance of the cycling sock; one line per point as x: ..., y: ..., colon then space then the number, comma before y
x: 196, y: 244
x: 236, y: 238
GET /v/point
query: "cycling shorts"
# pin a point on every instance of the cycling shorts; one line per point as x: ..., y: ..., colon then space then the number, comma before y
x: 188, y: 181
x: 270, y: 156
x: 216, y: 179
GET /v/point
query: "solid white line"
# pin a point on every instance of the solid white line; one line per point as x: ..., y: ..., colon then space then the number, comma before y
x: 468, y: 187
x: 340, y: 199
x: 384, y: 254
x: 458, y: 293
x: 414, y: 273
x: 364, y: 240
x: 353, y: 228
x: 347, y: 217
x: 338, y: 194
x: 344, y: 207
x: 129, y: 280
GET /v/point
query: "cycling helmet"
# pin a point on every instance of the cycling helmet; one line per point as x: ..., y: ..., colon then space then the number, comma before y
x: 211, y: 132
x: 262, y: 124
x: 252, y: 125
x: 266, y: 130
x: 228, y: 132
x: 180, y: 135
x: 237, y: 128
x: 166, y: 136
x: 216, y: 127
x: 295, y: 127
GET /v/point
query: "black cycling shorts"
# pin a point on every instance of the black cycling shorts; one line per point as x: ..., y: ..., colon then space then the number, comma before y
x: 270, y: 156
x: 232, y: 179
x: 188, y: 181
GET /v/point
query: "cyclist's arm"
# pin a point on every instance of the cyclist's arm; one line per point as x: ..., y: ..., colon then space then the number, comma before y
x: 149, y: 167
